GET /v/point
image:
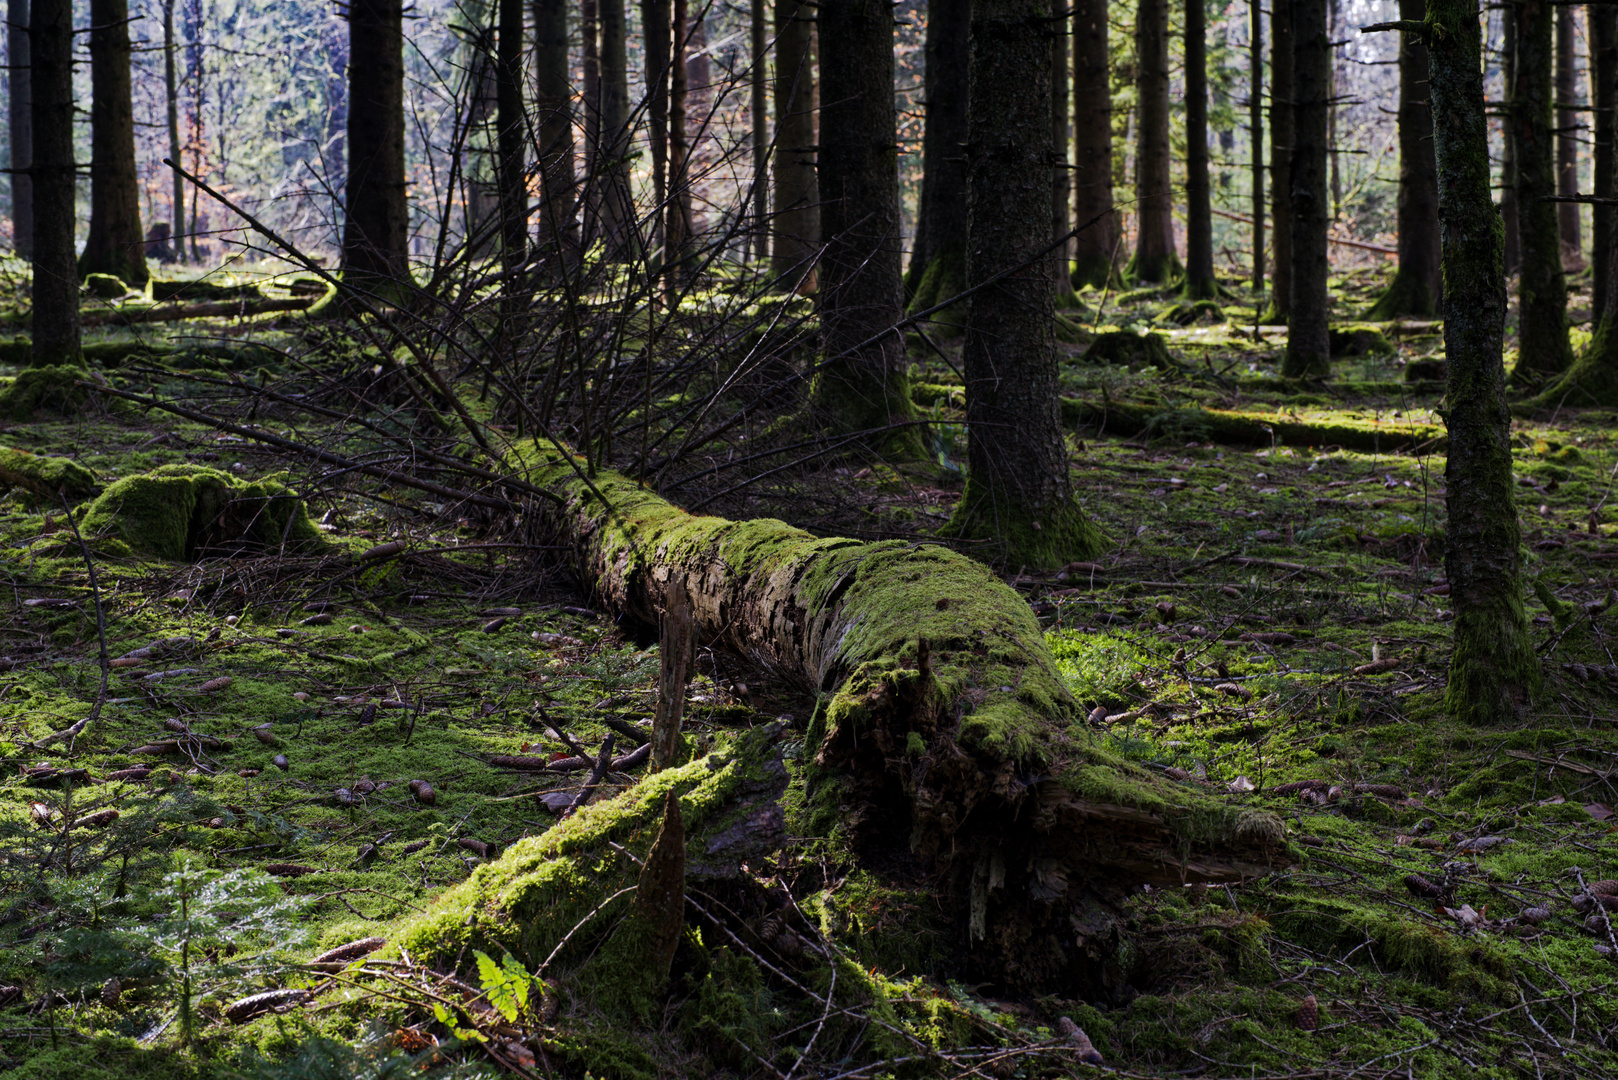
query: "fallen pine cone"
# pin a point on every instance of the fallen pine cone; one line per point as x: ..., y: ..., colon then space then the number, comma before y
x: 1606, y: 886
x: 214, y: 685
x: 99, y: 820
x: 239, y: 1012
x: 1377, y: 667
x: 1083, y: 1048
x: 1309, y: 1014
x: 383, y: 551
x: 423, y: 792
x: 139, y: 772
x: 479, y: 848
x: 413, y: 847
x: 342, y: 955
x: 1420, y: 886
x: 1533, y: 916
x: 288, y: 869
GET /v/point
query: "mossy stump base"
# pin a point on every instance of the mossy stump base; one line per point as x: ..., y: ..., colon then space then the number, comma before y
x: 45, y: 477
x: 186, y: 512
x: 1358, y: 341
x: 59, y: 390
x: 1128, y: 349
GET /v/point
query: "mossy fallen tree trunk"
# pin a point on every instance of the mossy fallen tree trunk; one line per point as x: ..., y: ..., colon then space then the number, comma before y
x: 939, y: 707
x: 1251, y: 428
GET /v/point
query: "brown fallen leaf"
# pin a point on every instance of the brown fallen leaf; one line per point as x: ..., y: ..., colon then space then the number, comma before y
x: 1599, y: 811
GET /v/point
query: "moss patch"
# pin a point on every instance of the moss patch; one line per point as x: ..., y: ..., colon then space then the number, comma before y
x: 182, y: 512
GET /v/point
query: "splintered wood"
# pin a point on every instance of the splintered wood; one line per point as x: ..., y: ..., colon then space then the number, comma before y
x: 675, y: 648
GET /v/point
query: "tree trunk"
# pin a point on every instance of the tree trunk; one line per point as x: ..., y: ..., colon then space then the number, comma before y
x: 862, y: 384
x: 678, y: 227
x: 1418, y: 282
x: 116, y: 243
x: 1199, y: 268
x: 1255, y: 128
x: 1282, y: 91
x: 590, y: 61
x: 1154, y: 259
x: 796, y: 224
x: 937, y: 268
x: 512, y: 138
x: 1604, y: 72
x: 553, y: 101
x: 1019, y: 489
x: 376, y: 233
x: 619, y: 227
x: 1508, y: 150
x: 761, y: 132
x: 56, y: 277
x: 20, y: 115
x: 1096, y: 245
x: 171, y: 93
x: 1308, y: 335
x: 920, y: 741
x: 657, y: 41
x: 1061, y: 180
x: 1568, y: 128
x: 1493, y: 671
x: 1542, y: 338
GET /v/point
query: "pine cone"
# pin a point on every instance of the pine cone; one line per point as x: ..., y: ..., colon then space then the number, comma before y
x: 1309, y: 1014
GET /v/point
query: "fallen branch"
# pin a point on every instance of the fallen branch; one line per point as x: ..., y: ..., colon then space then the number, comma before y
x: 205, y: 309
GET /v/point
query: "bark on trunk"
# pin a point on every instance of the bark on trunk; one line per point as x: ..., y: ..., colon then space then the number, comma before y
x: 1281, y: 138
x: 678, y: 225
x: 1604, y: 70
x: 171, y: 93
x: 657, y: 39
x: 1418, y: 282
x: 376, y: 233
x: 1255, y: 128
x: 1308, y: 333
x: 1061, y: 179
x: 1019, y: 489
x: 937, y: 268
x: 1096, y: 245
x: 618, y: 225
x: 1154, y: 195
x: 1568, y: 130
x: 116, y: 243
x: 56, y: 277
x: 759, y: 79
x: 20, y: 114
x: 1494, y: 670
x: 944, y: 725
x: 1508, y: 150
x: 796, y: 224
x: 862, y: 384
x: 512, y: 137
x: 558, y: 219
x: 1199, y: 268
x: 590, y: 61
x: 1542, y: 339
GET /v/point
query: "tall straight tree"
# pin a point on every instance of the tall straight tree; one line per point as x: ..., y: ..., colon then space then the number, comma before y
x: 1542, y: 339
x: 1096, y: 245
x: 657, y: 38
x: 376, y: 233
x: 1603, y: 73
x: 1255, y: 128
x: 1493, y: 670
x: 116, y: 244
x: 615, y: 186
x: 553, y: 105
x: 862, y: 384
x: 512, y: 137
x: 1508, y: 150
x: 1308, y: 352
x: 1061, y: 182
x: 678, y: 225
x: 20, y: 114
x: 937, y: 269
x: 759, y: 84
x: 796, y: 221
x: 171, y: 94
x: 1281, y: 138
x: 1154, y: 259
x: 1418, y: 282
x: 1019, y: 489
x: 1199, y: 268
x: 1568, y: 129
x: 590, y: 92
x: 56, y: 277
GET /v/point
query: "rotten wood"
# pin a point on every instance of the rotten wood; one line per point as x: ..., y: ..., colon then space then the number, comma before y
x: 676, y: 652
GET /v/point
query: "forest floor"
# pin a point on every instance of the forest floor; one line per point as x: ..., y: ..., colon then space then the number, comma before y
x: 1270, y: 624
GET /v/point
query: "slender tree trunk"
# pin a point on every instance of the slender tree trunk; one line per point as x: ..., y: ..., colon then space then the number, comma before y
x: 1542, y: 339
x: 1019, y: 489
x: 22, y: 130
x: 1199, y: 268
x: 1282, y: 92
x: 590, y: 61
x: 862, y: 384
x: 677, y: 230
x: 1308, y: 338
x: 618, y: 224
x: 553, y: 101
x: 1255, y: 128
x: 56, y: 278
x: 1418, y: 282
x: 1096, y: 245
x: 1508, y: 151
x: 656, y: 37
x: 376, y: 235
x: 761, y: 132
x: 171, y: 91
x: 1061, y: 180
x: 796, y: 222
x: 1604, y: 72
x: 1331, y: 113
x: 1568, y: 128
x: 116, y: 243
x: 513, y: 136
x: 1493, y: 671
x: 1155, y: 259
x: 937, y: 268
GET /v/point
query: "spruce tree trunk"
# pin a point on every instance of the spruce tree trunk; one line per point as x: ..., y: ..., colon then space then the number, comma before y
x: 937, y: 269
x: 862, y: 383
x: 796, y: 222
x: 1308, y: 336
x: 116, y: 243
x: 1255, y: 129
x: 1154, y: 195
x: 590, y: 62
x: 1061, y: 178
x: 758, y: 34
x: 1542, y: 338
x: 1096, y: 245
x: 1418, y: 282
x: 56, y: 277
x: 678, y: 224
x: 658, y: 45
x: 20, y: 114
x: 1019, y: 489
x: 1493, y: 671
x: 171, y: 93
x: 1282, y: 91
x: 1568, y: 128
x: 376, y: 233
x: 1199, y: 268
x: 512, y: 137
x: 553, y: 101
x: 1604, y: 70
x: 1508, y: 150
x: 618, y: 225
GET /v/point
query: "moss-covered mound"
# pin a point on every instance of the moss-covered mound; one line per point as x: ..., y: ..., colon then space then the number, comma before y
x: 1358, y: 341
x: 1254, y: 427
x: 1129, y: 349
x: 45, y: 476
x: 184, y: 512
x: 59, y: 390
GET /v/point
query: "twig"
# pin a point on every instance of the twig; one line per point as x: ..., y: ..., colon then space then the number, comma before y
x: 603, y: 762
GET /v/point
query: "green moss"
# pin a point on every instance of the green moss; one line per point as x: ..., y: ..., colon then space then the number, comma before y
x: 59, y: 390
x: 44, y: 476
x: 105, y: 286
x: 179, y: 512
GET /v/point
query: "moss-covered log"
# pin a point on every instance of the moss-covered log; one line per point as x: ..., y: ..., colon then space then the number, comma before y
x: 1252, y: 428
x: 46, y: 476
x: 943, y: 729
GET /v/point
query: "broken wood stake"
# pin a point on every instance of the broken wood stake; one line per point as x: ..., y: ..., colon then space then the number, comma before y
x: 676, y: 652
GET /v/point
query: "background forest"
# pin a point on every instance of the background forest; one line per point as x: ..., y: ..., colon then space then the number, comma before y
x: 953, y: 538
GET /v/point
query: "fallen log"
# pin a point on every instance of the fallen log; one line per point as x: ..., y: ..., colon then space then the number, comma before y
x: 944, y: 736
x: 204, y: 309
